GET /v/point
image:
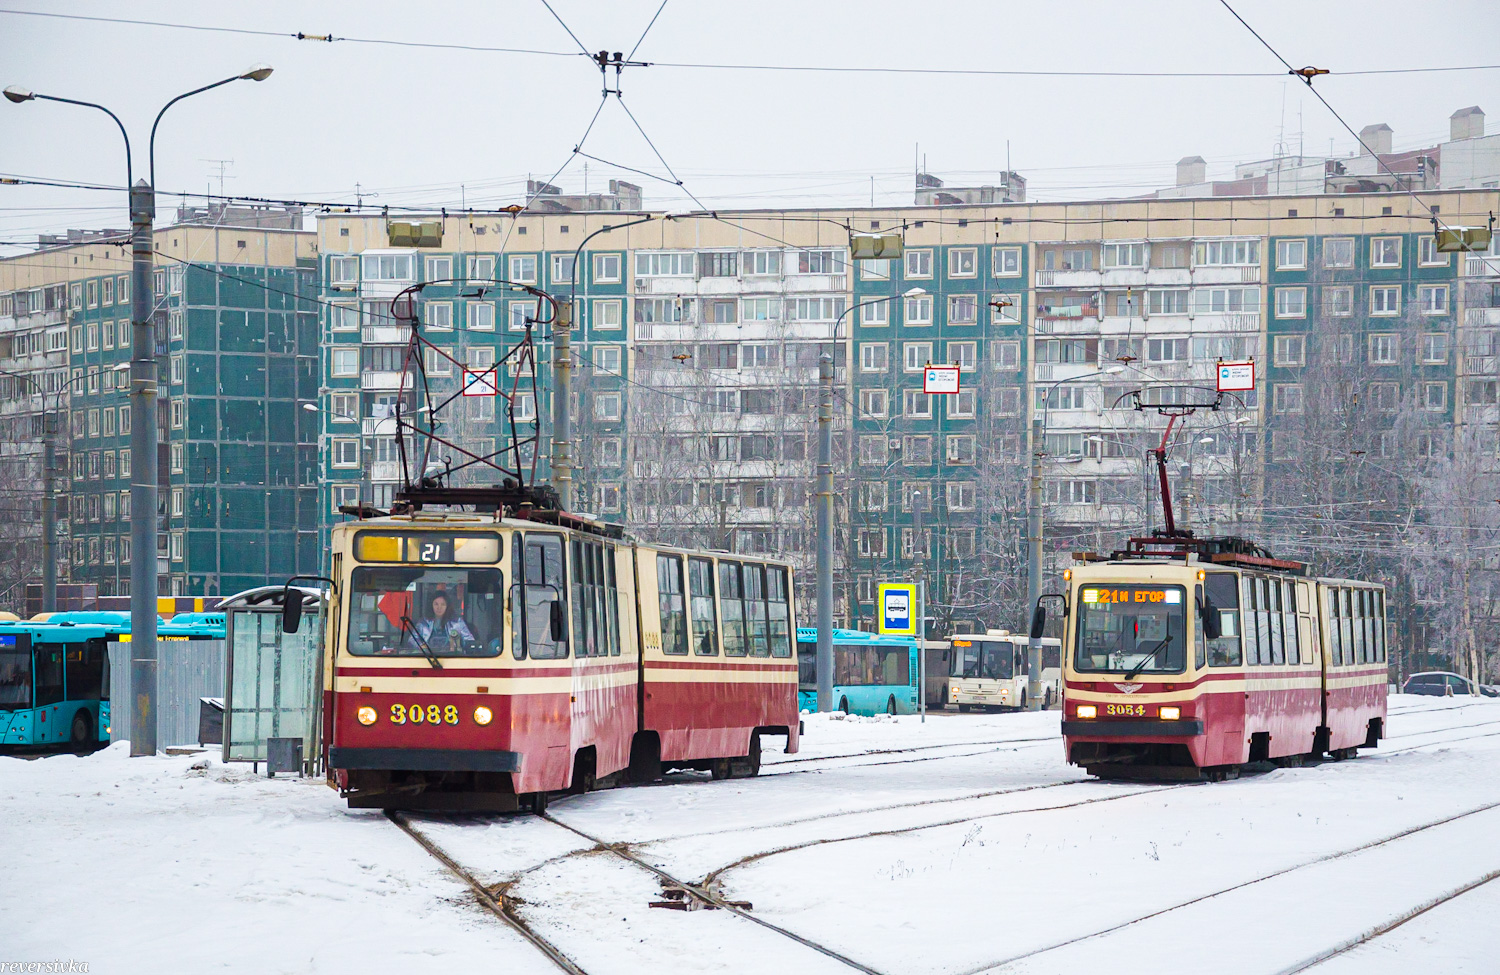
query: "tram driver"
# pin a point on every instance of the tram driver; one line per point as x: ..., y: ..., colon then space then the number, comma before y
x: 439, y: 630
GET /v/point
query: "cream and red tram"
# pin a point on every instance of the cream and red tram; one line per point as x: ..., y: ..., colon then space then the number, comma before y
x: 1187, y: 657
x: 474, y: 660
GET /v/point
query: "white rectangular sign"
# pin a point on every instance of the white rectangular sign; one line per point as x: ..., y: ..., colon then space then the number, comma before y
x: 1236, y: 377
x: 940, y: 379
x: 485, y: 383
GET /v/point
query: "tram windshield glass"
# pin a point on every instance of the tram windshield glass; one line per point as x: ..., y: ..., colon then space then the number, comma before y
x: 15, y: 679
x: 1131, y: 628
x: 989, y: 659
x: 414, y: 612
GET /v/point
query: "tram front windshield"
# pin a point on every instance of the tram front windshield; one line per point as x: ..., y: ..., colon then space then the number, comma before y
x: 416, y: 612
x: 15, y: 679
x: 989, y: 659
x: 1125, y: 628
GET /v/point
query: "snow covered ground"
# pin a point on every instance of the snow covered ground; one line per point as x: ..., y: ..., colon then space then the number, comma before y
x: 961, y: 845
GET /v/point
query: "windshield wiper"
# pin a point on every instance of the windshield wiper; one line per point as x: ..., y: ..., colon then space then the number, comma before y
x: 1148, y: 658
x: 408, y: 627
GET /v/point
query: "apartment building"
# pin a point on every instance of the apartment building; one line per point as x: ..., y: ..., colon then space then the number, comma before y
x: 237, y: 350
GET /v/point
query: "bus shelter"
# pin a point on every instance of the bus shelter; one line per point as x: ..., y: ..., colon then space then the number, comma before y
x: 273, y: 688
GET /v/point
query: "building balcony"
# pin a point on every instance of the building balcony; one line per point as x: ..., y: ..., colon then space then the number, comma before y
x: 1249, y: 274
x: 1479, y: 317
x: 385, y: 380
x: 1069, y: 279
x: 385, y: 334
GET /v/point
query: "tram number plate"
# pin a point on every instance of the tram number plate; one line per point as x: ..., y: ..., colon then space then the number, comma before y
x: 424, y: 714
x: 1125, y: 710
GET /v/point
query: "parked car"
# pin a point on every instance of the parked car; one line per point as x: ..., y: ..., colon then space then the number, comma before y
x: 1445, y: 684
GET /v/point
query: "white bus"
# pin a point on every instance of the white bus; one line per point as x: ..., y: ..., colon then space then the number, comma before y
x: 989, y: 670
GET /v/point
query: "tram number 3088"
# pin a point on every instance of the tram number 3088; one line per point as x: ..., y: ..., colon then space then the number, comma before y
x: 417, y: 714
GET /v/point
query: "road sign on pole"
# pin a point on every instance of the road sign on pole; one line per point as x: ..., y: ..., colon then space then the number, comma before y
x: 485, y: 383
x: 898, y: 605
x: 1236, y: 377
x: 938, y: 380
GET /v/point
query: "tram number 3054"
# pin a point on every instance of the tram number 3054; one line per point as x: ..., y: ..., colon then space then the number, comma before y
x: 417, y: 714
x: 1126, y: 710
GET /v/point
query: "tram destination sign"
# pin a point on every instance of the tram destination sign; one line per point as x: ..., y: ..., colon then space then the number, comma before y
x: 1236, y: 377
x: 938, y: 380
x: 898, y: 609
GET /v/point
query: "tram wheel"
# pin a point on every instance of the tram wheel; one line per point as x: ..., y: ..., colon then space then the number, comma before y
x: 539, y: 802
x: 82, y: 731
x: 748, y: 767
x: 720, y: 768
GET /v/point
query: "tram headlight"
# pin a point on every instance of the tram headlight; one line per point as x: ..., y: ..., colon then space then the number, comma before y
x: 1169, y: 713
x: 483, y: 715
x: 366, y: 715
x: 1088, y: 711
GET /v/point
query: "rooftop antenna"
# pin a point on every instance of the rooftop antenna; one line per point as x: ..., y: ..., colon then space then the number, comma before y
x: 223, y: 165
x: 360, y: 194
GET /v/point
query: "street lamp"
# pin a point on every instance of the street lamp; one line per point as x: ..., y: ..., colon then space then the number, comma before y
x: 143, y: 434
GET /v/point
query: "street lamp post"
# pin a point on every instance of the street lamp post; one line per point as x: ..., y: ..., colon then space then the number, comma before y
x: 825, y: 509
x: 1034, y: 530
x: 143, y: 433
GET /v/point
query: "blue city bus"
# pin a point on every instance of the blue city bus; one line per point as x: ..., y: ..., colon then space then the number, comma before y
x: 871, y: 674
x: 55, y: 675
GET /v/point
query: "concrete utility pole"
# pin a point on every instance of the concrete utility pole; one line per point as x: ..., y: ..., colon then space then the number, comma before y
x: 562, y: 391
x: 49, y: 515
x: 1034, y: 562
x: 143, y: 466
x: 825, y: 532
x: 921, y: 571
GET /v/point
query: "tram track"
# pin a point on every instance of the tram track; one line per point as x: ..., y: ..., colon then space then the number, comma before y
x: 496, y: 903
x: 1021, y: 743
x: 1316, y: 861
x: 903, y: 751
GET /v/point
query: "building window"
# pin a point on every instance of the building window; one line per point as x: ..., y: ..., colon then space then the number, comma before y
x: 1007, y: 262
x: 960, y: 449
x: 1007, y: 309
x: 607, y: 268
x: 343, y: 270
x: 965, y: 355
x: 961, y: 405
x: 1226, y: 252
x: 1384, y: 348
x: 1385, y: 397
x: 519, y: 315
x: 438, y: 364
x: 1291, y: 302
x: 439, y: 269
x: 1232, y: 300
x: 1428, y: 254
x: 523, y: 268
x: 439, y: 314
x: 916, y: 355
x: 962, y: 262
x: 814, y: 309
x: 482, y: 315
x: 875, y: 269
x: 1385, y: 300
x: 1173, y: 302
x: 1338, y: 302
x: 1167, y: 350
x: 874, y: 403
x: 1006, y: 356
x: 871, y: 545
x: 916, y: 405
x: 1289, y: 351
x: 873, y: 357
x: 1070, y: 491
x: 875, y: 314
x: 386, y: 267
x: 1124, y: 255
x: 562, y: 269
x: 762, y: 263
x: 1434, y: 397
x: 963, y: 309
x: 344, y: 495
x: 960, y: 495
x: 345, y: 452
x: 872, y: 496
x: 820, y: 262
x: 919, y: 310
x: 1008, y: 401
x: 1385, y: 252
x: 1291, y: 255
x: 1434, y: 298
x: 607, y: 406
x: 346, y: 362
x: 1286, y: 398
x: 607, y: 314
x: 1338, y: 252
x: 916, y: 451
x: 919, y: 263
x: 1434, y: 348
x: 176, y: 455
x: 873, y: 450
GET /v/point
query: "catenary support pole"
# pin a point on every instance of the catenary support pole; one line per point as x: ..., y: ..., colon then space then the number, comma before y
x: 143, y: 441
x: 825, y: 532
x: 562, y: 391
x: 1034, y: 563
x: 918, y: 503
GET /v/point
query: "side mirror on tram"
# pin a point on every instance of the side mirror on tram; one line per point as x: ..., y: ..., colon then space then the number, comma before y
x: 291, y: 610
x: 559, y: 622
x: 1038, y: 621
x: 1209, y: 614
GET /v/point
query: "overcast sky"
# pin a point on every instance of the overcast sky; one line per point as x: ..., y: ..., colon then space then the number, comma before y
x: 414, y: 124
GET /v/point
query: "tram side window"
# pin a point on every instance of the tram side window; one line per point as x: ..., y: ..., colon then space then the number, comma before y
x: 1200, y: 642
x: 594, y: 624
x: 755, y: 610
x: 1335, y: 642
x: 611, y: 600
x: 1372, y: 648
x: 1252, y: 629
x: 1380, y: 623
x: 85, y: 671
x: 537, y: 567
x: 1278, y: 636
x: 1225, y: 595
x: 584, y: 621
x: 705, y: 615
x: 49, y: 676
x: 1361, y: 617
x: 731, y: 605
x: 674, y: 635
x: 780, y: 607
x: 1289, y: 622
